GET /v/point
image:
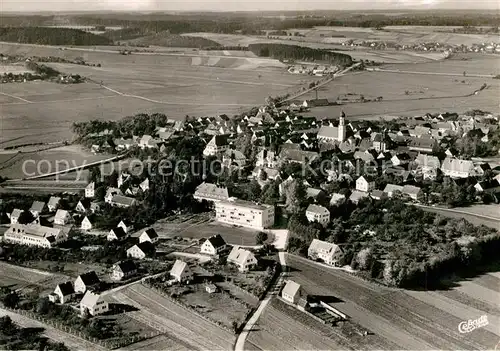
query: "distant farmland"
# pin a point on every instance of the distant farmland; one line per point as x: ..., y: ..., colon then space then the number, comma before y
x: 177, y: 85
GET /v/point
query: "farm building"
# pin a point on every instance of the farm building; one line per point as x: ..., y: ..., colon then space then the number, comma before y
x: 34, y: 235
x: 291, y: 292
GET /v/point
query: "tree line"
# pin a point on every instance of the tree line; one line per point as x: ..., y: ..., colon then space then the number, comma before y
x: 51, y: 36
x: 295, y: 52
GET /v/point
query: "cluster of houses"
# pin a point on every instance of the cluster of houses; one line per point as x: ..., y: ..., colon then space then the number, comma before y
x: 491, y: 47
x: 317, y: 70
x: 407, y: 154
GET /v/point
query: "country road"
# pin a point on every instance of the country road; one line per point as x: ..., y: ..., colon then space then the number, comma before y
x: 429, y: 73
x: 336, y: 75
x: 240, y: 342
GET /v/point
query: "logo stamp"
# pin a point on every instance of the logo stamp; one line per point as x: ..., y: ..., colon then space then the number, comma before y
x: 472, y: 324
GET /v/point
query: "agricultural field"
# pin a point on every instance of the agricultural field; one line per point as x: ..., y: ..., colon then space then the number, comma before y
x: 283, y: 327
x: 407, y: 94
x: 410, y: 319
x: 17, y: 165
x: 17, y: 277
x: 197, y: 227
x: 182, y: 328
x: 176, y: 84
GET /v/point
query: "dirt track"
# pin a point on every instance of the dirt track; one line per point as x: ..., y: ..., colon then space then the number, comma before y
x: 411, y: 320
x: 183, y: 328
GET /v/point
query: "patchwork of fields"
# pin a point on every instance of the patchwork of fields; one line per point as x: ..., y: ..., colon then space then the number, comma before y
x: 174, y: 84
x: 416, y: 320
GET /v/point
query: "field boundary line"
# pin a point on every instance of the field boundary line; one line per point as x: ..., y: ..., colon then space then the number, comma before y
x: 16, y: 97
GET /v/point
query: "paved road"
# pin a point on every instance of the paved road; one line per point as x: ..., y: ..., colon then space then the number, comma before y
x: 430, y: 73
x: 336, y: 75
x: 240, y: 342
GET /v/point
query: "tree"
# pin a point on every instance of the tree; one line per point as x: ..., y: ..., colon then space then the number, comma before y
x: 11, y: 300
x: 7, y: 327
x: 294, y: 193
x: 270, y: 193
x: 43, y: 306
x: 235, y: 327
x: 364, y: 258
x: 260, y: 238
x: 26, y: 217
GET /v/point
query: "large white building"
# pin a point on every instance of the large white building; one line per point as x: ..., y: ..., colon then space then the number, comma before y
x: 34, y: 235
x: 316, y: 213
x: 244, y: 213
x: 329, y: 253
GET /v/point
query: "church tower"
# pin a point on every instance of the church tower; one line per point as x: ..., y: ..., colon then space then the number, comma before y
x: 341, y: 134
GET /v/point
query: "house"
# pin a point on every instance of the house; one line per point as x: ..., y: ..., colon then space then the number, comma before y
x: 144, y: 185
x: 316, y: 213
x: 233, y: 158
x: 337, y: 198
x: 365, y: 183
x: 14, y: 216
x: 412, y: 191
x: 122, y: 201
x: 111, y: 192
x: 456, y: 168
x: 37, y: 208
x: 245, y: 213
x: 266, y: 158
x: 141, y: 251
x: 93, y: 304
x: 428, y: 166
x: 123, y: 270
x: 34, y: 235
x: 291, y: 292
x: 62, y: 217
x: 90, y: 190
x: 216, y: 146
x: 117, y: 234
x: 149, y: 235
x: 211, y: 192
x: 329, y: 253
x: 125, y: 226
x: 400, y: 159
x: 87, y: 281
x: 297, y: 155
x: 391, y: 189
x: 83, y: 205
x: 243, y: 259
x: 181, y: 272
x: 147, y: 141
x: 486, y: 185
x: 53, y: 203
x: 86, y: 224
x: 211, y: 288
x: 65, y: 292
x: 213, y: 245
x: 316, y: 195
x: 357, y: 195
x: 377, y: 194
x: 423, y: 144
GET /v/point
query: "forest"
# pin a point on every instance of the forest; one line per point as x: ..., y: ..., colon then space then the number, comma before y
x: 294, y: 52
x: 51, y: 36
